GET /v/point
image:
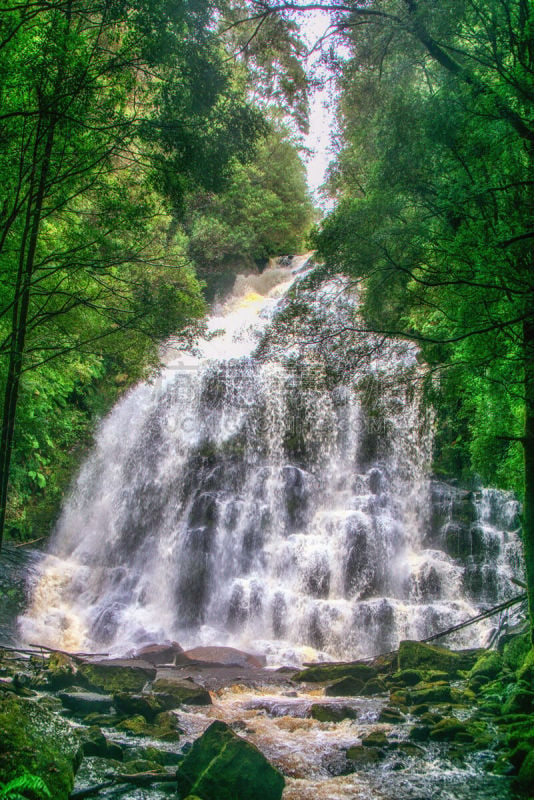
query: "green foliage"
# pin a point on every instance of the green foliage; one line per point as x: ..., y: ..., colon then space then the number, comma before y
x: 24, y: 787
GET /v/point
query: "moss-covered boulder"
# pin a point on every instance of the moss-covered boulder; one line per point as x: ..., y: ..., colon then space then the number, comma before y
x: 116, y: 676
x: 60, y: 672
x: 332, y: 713
x: 391, y: 715
x: 149, y: 705
x: 448, y: 729
x: 94, y: 743
x: 375, y: 739
x: 407, y: 677
x: 222, y: 766
x: 416, y: 655
x: 344, y: 687
x: 364, y: 756
x: 183, y: 691
x: 526, y: 670
x: 439, y: 692
x: 324, y: 673
x: 36, y: 741
x: 487, y: 667
x: 515, y: 651
x: 165, y: 727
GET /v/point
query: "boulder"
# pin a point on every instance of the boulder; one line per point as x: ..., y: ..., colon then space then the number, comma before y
x: 407, y: 677
x: 331, y: 672
x: 161, y: 653
x: 439, y: 692
x: 391, y: 715
x: 416, y: 655
x: 183, y: 691
x: 86, y: 702
x: 344, y: 687
x: 323, y: 712
x: 165, y: 727
x: 117, y: 675
x: 375, y: 739
x: 149, y: 705
x: 36, y: 741
x: 60, y: 672
x: 224, y: 657
x: 222, y: 766
x: 448, y: 729
x: 364, y: 756
x: 487, y: 667
x: 94, y: 743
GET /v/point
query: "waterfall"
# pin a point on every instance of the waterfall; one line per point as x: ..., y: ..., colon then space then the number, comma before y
x: 270, y: 490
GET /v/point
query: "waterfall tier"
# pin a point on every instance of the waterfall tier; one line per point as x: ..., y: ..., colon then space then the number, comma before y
x: 270, y: 490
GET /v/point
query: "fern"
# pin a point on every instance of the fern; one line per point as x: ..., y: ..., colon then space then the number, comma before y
x: 22, y: 787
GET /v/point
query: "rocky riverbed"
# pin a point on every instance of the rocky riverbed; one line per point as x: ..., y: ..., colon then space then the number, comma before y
x: 423, y: 722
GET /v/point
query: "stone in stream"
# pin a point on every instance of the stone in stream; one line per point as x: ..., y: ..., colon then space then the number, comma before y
x: 324, y: 712
x: 223, y: 657
x: 34, y: 740
x: 94, y: 743
x: 149, y: 705
x: 331, y: 672
x: 344, y: 687
x: 222, y: 766
x: 86, y: 702
x: 157, y: 654
x: 117, y: 675
x: 417, y: 655
x: 183, y: 690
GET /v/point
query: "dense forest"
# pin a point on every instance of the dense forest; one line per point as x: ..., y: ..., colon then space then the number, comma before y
x: 137, y: 163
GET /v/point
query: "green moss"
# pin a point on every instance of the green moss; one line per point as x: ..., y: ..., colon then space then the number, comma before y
x: 332, y: 713
x: 327, y: 672
x: 116, y: 678
x: 364, y: 756
x: 515, y: 651
x: 416, y: 655
x: 222, y: 766
x: 183, y: 691
x: 439, y: 692
x: 165, y: 727
x: 34, y: 740
x: 448, y: 729
x: 525, y: 779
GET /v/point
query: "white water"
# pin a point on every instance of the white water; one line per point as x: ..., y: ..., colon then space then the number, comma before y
x: 277, y: 503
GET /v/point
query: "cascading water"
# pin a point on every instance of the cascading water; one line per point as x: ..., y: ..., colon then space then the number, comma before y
x: 270, y: 491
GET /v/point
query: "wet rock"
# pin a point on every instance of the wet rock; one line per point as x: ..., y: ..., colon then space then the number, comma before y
x: 448, y: 729
x: 103, y: 720
x: 224, y: 657
x: 44, y: 744
x: 332, y: 713
x: 487, y: 667
x: 117, y: 675
x: 407, y: 677
x: 416, y: 655
x: 420, y: 733
x: 183, y: 690
x: 344, y: 687
x: 94, y: 743
x: 142, y: 765
x: 86, y: 702
x: 372, y: 687
x: 410, y: 749
x: 439, y: 692
x: 60, y: 672
x: 148, y: 705
x: 392, y: 715
x: 166, y: 758
x: 364, y: 756
x: 222, y: 766
x: 329, y: 672
x: 165, y: 727
x: 161, y: 653
x: 375, y: 739
x: 521, y: 700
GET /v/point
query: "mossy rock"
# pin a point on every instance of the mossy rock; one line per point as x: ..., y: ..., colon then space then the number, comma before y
x: 117, y: 676
x: 526, y: 670
x: 344, y: 687
x: 165, y: 727
x: 372, y: 687
x: 331, y: 672
x: 60, y: 672
x: 439, y: 692
x: 407, y: 677
x: 183, y: 691
x: 222, y: 766
x: 36, y: 741
x: 486, y: 668
x: 364, y: 756
x: 449, y: 729
x: 94, y: 743
x: 515, y: 651
x: 103, y: 720
x: 419, y: 733
x: 391, y: 715
x: 521, y: 701
x: 166, y: 758
x: 416, y: 655
x: 332, y: 713
x: 142, y: 765
x: 375, y: 739
x: 148, y: 705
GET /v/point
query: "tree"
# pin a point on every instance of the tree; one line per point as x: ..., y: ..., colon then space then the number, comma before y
x: 96, y: 101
